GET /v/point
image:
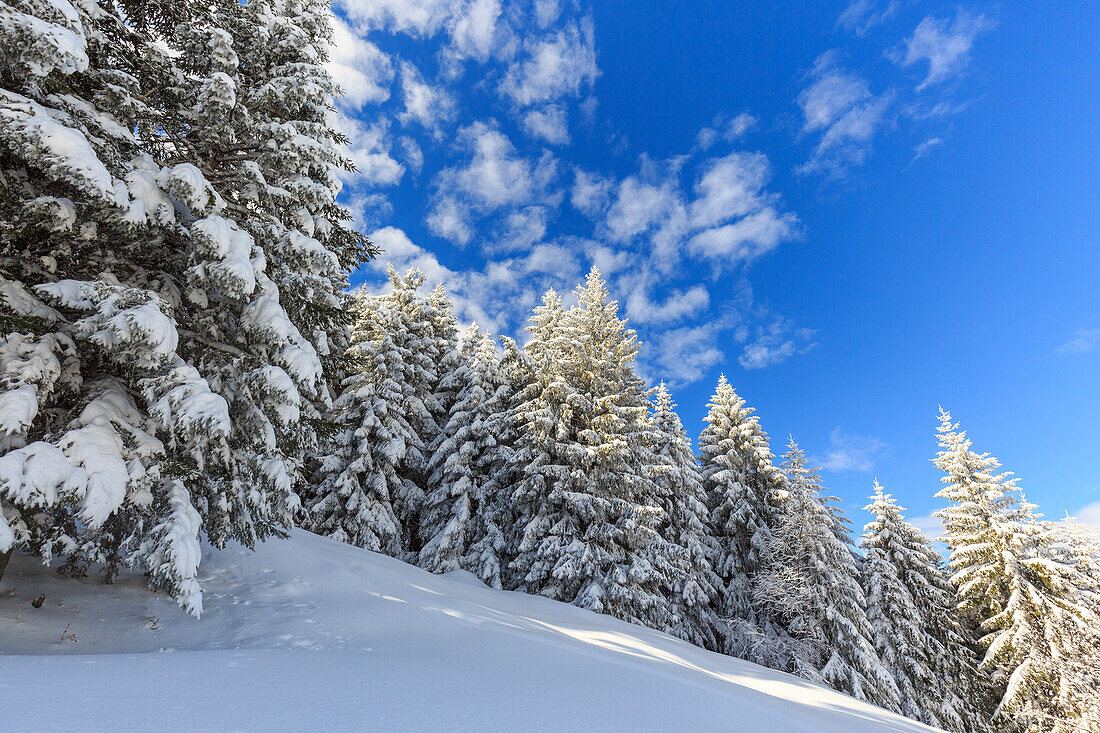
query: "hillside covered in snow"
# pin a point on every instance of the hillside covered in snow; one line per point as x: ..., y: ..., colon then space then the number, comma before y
x: 313, y: 632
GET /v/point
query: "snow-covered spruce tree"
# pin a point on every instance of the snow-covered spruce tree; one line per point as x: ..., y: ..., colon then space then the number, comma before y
x: 154, y: 381
x: 359, y: 472
x: 1033, y: 609
x: 808, y: 584
x: 681, y: 496
x: 420, y: 343
x: 488, y: 556
x: 740, y: 481
x: 409, y: 379
x: 910, y: 604
x: 459, y: 522
x: 587, y: 519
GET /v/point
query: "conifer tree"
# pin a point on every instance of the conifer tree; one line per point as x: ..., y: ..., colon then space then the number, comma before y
x: 458, y: 524
x: 359, y: 473
x: 1034, y: 612
x: 681, y: 496
x: 587, y: 520
x: 910, y: 604
x: 156, y: 383
x: 809, y: 585
x: 740, y: 482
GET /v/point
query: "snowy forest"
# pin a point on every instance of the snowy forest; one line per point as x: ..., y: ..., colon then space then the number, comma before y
x: 183, y: 361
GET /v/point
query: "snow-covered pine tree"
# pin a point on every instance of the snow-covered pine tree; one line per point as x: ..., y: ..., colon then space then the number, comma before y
x: 488, y: 557
x: 681, y: 496
x: 910, y: 604
x: 587, y: 520
x: 1034, y: 612
x: 740, y: 481
x: 458, y: 524
x: 359, y: 472
x: 155, y: 384
x: 809, y: 583
x: 417, y: 337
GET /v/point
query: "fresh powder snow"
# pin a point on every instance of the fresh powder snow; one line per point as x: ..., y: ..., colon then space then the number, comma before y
x: 312, y: 632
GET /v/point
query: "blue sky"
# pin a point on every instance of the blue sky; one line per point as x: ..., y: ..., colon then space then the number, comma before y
x: 858, y: 211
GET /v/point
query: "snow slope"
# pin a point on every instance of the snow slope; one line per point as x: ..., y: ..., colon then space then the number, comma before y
x: 311, y: 632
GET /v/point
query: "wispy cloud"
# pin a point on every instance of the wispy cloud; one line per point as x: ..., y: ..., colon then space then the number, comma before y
x: 775, y: 342
x: 839, y: 107
x: 1082, y: 340
x: 1089, y: 516
x: 562, y: 64
x: 849, y: 452
x: 930, y: 525
x: 862, y: 15
x: 944, y: 45
x: 926, y: 147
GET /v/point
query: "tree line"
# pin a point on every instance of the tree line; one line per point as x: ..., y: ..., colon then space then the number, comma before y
x: 181, y: 359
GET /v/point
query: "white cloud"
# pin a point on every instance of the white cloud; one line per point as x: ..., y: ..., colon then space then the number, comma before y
x: 362, y: 70
x: 930, y: 525
x: 839, y: 106
x: 473, y: 29
x: 410, y: 150
x: 1089, y: 516
x: 549, y: 124
x: 590, y: 192
x: 559, y: 65
x: 398, y: 250
x: 451, y: 220
x: 424, y: 103
x: 546, y: 12
x: 945, y: 46
x: 637, y: 207
x: 746, y: 239
x: 522, y: 229
x: 369, y: 151
x: 1083, y: 340
x: 675, y: 304
x: 851, y: 452
x: 416, y: 17
x: 496, y: 176
x: 775, y: 342
x: 729, y: 187
x: 728, y: 130
x: 926, y: 147
x: 684, y: 355
x: 862, y: 15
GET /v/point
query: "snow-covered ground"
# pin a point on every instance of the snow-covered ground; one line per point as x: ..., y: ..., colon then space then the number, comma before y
x: 311, y: 633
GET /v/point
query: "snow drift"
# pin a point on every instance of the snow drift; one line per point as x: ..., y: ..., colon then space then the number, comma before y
x: 311, y: 632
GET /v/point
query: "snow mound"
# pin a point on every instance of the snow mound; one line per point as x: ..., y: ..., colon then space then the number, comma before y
x: 309, y: 632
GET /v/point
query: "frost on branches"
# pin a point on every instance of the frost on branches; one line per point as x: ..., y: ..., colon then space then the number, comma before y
x: 1024, y: 588
x: 680, y: 495
x: 910, y: 604
x: 740, y: 481
x: 171, y: 268
x: 460, y: 524
x: 587, y: 529
x: 809, y: 586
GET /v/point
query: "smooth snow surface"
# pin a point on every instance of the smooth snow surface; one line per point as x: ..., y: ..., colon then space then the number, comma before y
x: 309, y: 633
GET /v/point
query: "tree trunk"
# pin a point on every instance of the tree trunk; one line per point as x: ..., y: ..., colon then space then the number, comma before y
x: 4, y: 557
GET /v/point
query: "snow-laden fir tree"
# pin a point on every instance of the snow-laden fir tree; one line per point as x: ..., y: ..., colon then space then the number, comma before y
x: 740, y: 482
x: 1031, y: 604
x: 459, y: 522
x: 910, y: 604
x: 155, y: 383
x: 587, y: 518
x: 681, y: 496
x: 358, y: 474
x: 809, y: 583
x: 421, y: 321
